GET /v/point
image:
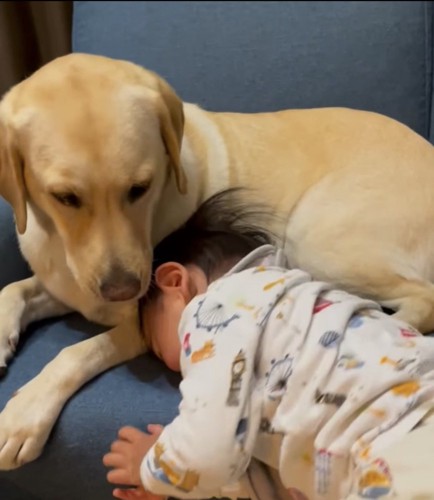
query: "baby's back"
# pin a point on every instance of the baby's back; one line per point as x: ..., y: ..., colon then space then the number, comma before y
x: 336, y: 373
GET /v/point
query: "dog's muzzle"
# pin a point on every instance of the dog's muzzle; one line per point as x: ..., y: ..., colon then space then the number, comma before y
x: 120, y: 285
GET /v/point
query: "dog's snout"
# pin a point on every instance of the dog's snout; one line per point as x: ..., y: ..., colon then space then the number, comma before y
x: 120, y: 285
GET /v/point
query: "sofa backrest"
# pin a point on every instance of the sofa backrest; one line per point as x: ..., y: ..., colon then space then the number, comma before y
x: 265, y: 56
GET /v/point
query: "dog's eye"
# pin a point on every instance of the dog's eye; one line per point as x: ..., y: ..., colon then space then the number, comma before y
x: 137, y: 191
x: 68, y: 199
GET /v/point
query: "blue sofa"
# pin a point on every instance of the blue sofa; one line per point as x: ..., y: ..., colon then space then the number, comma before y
x: 239, y: 56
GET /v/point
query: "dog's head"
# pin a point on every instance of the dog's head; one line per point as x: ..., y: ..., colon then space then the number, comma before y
x: 88, y: 143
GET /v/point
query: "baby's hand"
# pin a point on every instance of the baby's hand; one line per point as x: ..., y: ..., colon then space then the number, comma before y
x: 136, y: 494
x: 125, y: 457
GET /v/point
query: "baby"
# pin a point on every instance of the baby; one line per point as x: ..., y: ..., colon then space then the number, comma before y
x: 291, y: 389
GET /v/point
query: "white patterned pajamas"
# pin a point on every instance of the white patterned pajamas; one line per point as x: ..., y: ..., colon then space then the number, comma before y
x: 313, y: 383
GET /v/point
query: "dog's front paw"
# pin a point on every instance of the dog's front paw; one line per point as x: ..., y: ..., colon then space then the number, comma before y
x: 9, y: 335
x: 9, y: 331
x: 25, y: 424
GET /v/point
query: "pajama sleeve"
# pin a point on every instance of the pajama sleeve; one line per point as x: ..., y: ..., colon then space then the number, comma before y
x: 208, y: 446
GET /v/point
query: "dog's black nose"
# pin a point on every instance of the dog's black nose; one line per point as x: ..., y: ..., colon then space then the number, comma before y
x: 120, y: 285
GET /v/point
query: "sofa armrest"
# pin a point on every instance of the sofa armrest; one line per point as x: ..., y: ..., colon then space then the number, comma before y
x: 12, y: 265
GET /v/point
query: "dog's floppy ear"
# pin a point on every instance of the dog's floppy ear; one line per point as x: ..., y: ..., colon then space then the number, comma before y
x: 12, y: 186
x: 172, y: 129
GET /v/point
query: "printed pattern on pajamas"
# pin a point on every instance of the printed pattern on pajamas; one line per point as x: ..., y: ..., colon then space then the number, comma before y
x: 312, y: 382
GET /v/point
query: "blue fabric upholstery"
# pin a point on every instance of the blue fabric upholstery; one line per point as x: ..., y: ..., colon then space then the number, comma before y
x: 263, y: 56
x: 12, y: 266
x: 137, y: 393
x: 239, y: 56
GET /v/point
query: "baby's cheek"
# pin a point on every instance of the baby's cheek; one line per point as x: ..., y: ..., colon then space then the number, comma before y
x: 171, y: 356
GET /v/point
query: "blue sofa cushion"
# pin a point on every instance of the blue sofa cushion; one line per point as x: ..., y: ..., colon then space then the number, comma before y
x: 264, y: 56
x: 136, y: 393
x: 12, y: 265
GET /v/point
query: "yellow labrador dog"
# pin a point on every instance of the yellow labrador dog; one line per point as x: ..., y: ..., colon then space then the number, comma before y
x: 100, y: 159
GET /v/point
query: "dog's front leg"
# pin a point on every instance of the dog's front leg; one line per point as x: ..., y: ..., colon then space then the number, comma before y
x: 31, y: 413
x: 21, y: 303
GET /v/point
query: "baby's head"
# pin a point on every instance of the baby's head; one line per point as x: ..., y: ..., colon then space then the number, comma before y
x: 213, y: 240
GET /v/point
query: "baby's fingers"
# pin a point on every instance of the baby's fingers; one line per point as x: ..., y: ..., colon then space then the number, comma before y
x: 130, y: 434
x: 119, y: 476
x: 134, y: 494
x: 155, y: 429
x: 113, y: 460
x: 119, y: 446
x: 130, y: 494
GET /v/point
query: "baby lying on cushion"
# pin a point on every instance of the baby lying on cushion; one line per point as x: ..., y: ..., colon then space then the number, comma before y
x: 291, y: 389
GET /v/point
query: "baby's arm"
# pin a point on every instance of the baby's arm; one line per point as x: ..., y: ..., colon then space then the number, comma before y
x: 125, y: 457
x: 209, y: 445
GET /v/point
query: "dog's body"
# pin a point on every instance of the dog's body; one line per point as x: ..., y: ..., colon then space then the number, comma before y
x: 92, y: 163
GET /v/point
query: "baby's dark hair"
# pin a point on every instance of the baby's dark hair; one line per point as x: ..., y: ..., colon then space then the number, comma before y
x: 225, y: 227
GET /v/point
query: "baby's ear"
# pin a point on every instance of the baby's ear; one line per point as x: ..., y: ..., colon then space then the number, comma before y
x: 172, y: 277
